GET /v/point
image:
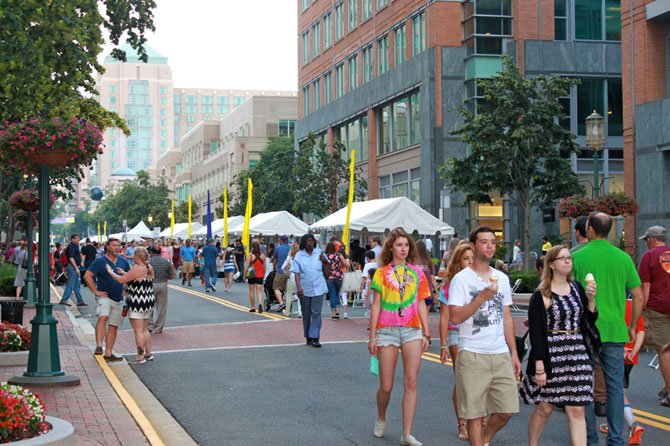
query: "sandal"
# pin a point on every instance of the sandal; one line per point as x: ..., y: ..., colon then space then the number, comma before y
x: 462, y: 432
x: 252, y: 310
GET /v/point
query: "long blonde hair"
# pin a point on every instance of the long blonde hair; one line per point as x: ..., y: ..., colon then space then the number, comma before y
x: 143, y: 255
x: 547, y: 273
x: 454, y: 266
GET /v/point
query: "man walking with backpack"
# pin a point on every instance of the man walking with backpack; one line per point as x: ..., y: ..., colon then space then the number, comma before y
x: 73, y: 256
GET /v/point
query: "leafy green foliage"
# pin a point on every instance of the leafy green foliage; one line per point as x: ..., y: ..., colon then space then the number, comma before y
x: 7, y: 276
x: 517, y: 147
x: 529, y: 280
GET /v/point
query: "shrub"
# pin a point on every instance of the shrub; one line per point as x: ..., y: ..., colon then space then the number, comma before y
x: 7, y: 276
x: 22, y: 414
x: 529, y: 280
x: 14, y: 338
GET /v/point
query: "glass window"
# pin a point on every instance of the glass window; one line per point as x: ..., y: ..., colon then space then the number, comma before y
x: 353, y: 72
x: 327, y: 30
x: 339, y: 81
x: 238, y: 100
x: 163, y: 100
x: 381, y: 4
x: 317, y: 94
x: 560, y: 20
x: 305, y: 100
x: 385, y: 131
x: 419, y: 33
x: 383, y: 55
x: 565, y: 120
x: 339, y: 21
x: 400, y: 124
x: 191, y: 99
x: 177, y: 99
x: 316, y: 41
x: 112, y: 88
x: 112, y: 99
x: 415, y: 119
x: 327, y: 88
x: 613, y: 20
x: 163, y: 133
x: 614, y: 108
x: 207, y: 100
x: 590, y: 97
x: 163, y: 111
x: 364, y: 139
x: 305, y: 47
x: 366, y: 9
x: 368, y: 65
x: 598, y: 20
x: 399, y: 44
x: 163, y: 90
x: 213, y: 146
x: 286, y: 127
x: 305, y: 4
x: 353, y: 14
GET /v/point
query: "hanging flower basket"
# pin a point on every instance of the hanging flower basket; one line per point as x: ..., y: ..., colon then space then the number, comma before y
x: 21, y: 219
x: 28, y: 200
x: 575, y: 206
x: 54, y: 142
x: 617, y: 203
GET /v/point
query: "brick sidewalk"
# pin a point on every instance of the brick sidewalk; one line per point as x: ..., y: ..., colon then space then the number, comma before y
x: 93, y: 408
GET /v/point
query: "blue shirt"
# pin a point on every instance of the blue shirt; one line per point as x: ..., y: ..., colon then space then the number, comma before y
x: 310, y: 269
x: 104, y: 281
x: 281, y: 252
x: 187, y: 253
x: 130, y: 254
x: 210, y: 254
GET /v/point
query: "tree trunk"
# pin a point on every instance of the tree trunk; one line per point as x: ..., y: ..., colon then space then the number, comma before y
x: 526, y: 236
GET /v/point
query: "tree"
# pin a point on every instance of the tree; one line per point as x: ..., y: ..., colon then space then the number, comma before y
x: 318, y: 175
x: 49, y: 53
x: 517, y: 147
x: 181, y: 212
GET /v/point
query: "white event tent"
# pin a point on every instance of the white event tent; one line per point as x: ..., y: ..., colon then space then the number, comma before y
x: 142, y: 230
x: 273, y: 223
x: 217, y: 226
x: 181, y: 230
x: 378, y: 216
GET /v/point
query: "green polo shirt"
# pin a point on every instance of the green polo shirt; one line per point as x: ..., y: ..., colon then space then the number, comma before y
x: 615, y: 274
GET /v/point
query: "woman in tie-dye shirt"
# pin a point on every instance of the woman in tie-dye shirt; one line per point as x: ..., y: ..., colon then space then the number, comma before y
x: 400, y: 318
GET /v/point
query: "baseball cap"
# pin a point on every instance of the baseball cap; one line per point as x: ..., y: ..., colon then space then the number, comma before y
x: 654, y: 231
x: 284, y: 238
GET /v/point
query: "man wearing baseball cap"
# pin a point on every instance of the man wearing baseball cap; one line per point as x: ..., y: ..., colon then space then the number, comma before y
x: 655, y: 275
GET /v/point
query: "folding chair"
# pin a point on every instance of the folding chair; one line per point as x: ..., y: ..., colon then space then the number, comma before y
x: 654, y: 362
x: 515, y: 307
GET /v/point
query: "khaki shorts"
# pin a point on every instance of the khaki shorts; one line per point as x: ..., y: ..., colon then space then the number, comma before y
x: 110, y: 309
x: 658, y: 328
x: 485, y: 384
x: 280, y: 281
x: 187, y: 268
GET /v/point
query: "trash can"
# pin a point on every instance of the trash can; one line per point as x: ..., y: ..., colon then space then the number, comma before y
x: 12, y: 311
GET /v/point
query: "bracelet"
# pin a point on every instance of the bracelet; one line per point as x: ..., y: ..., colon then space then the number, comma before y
x: 372, y: 340
x: 443, y: 347
x: 540, y: 373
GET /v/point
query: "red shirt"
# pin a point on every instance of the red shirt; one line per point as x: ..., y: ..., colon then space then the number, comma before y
x: 655, y: 270
x: 638, y: 328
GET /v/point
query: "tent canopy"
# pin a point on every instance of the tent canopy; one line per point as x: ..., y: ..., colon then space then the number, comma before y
x: 273, y: 223
x: 127, y: 235
x: 181, y: 230
x: 142, y: 230
x: 217, y: 226
x: 378, y: 216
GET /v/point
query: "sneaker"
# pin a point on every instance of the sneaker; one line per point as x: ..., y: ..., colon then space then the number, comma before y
x: 662, y: 392
x: 98, y: 351
x: 206, y: 290
x: 316, y: 343
x: 636, y: 433
x: 334, y: 317
x: 213, y: 288
x: 367, y: 313
x: 112, y: 358
x: 149, y: 357
x: 138, y: 361
x: 380, y: 427
x: 83, y: 304
x: 285, y: 313
x: 666, y: 401
x: 183, y: 281
x: 260, y: 308
x: 604, y: 428
x: 281, y: 308
x: 346, y: 316
x: 409, y: 441
x: 63, y: 302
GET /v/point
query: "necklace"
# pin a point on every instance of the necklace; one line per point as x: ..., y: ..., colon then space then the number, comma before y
x: 401, y: 285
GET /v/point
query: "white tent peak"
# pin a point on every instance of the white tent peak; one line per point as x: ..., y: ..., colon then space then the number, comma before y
x: 142, y: 230
x: 378, y: 216
x: 273, y: 223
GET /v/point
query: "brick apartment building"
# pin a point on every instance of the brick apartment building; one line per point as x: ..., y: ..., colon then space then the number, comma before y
x: 386, y: 76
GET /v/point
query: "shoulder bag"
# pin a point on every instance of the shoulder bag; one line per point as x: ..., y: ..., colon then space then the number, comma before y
x: 251, y: 271
x: 352, y: 281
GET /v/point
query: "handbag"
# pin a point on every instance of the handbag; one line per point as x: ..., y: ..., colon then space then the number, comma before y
x: 325, y: 268
x: 251, y: 271
x: 590, y: 332
x: 352, y: 281
x: 24, y: 262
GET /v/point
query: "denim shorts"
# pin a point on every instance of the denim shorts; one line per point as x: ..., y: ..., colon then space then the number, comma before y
x: 452, y: 337
x: 397, y: 336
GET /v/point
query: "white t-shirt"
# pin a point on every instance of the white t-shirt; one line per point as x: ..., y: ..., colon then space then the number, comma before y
x: 483, y: 332
x: 377, y: 250
x: 516, y: 254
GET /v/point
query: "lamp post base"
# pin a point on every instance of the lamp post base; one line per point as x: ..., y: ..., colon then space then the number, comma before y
x: 46, y: 381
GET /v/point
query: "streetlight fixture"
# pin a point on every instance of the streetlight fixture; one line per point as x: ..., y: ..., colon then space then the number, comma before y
x: 595, y: 140
x: 150, y: 219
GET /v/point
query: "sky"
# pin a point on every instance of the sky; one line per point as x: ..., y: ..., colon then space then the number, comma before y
x: 231, y: 44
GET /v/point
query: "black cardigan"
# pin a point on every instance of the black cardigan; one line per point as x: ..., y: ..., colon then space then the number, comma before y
x: 537, y: 327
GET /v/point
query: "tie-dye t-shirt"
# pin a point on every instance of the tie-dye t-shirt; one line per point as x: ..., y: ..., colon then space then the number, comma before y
x: 386, y: 283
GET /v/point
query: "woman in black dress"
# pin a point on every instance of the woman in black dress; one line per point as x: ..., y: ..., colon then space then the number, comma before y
x: 559, y: 371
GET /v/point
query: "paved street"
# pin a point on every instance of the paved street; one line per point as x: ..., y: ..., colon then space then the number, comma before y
x: 236, y: 378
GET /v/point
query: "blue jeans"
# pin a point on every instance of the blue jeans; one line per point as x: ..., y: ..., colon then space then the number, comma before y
x: 210, y: 275
x: 334, y: 287
x: 311, y: 315
x: 73, y: 284
x: 611, y: 360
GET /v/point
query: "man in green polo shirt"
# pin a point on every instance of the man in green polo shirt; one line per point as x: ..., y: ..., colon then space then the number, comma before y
x: 615, y: 274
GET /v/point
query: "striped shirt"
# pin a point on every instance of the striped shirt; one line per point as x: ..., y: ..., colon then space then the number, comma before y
x: 163, y: 269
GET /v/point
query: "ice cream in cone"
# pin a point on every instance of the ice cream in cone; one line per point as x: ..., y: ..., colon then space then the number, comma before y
x: 589, y: 279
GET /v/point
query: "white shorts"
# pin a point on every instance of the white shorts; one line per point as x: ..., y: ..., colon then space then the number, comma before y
x: 109, y: 308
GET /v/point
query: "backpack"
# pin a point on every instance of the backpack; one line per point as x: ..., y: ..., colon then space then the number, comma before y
x: 64, y: 259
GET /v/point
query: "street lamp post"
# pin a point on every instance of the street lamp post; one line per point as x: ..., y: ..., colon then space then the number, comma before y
x: 595, y: 140
x: 30, y: 286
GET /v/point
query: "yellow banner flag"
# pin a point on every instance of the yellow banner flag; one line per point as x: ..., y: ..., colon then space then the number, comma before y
x: 350, y: 202
x: 172, y: 221
x: 189, y: 217
x: 247, y: 217
x: 225, y: 217
x: 104, y: 236
x: 99, y: 240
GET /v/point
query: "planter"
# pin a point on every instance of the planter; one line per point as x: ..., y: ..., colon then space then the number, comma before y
x: 48, y: 157
x: 8, y: 359
x: 12, y: 311
x: 60, y: 434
